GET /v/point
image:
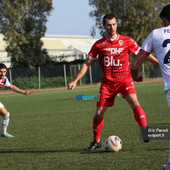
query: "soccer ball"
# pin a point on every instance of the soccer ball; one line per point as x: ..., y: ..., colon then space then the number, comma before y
x: 113, y: 144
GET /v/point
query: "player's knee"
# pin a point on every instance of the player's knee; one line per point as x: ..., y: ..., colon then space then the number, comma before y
x: 169, y: 103
x: 134, y: 104
x: 99, y: 115
x: 3, y: 111
x: 132, y: 100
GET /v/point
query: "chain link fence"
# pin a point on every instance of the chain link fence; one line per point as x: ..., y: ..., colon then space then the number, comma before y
x: 60, y: 75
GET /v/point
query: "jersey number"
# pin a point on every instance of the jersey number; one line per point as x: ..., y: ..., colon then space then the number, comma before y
x: 167, y: 56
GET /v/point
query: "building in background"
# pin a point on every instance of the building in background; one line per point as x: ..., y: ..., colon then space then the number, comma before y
x: 3, y: 54
x: 60, y: 47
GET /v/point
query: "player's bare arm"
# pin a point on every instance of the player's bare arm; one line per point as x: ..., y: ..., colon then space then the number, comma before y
x: 80, y: 74
x: 17, y: 90
x: 138, y: 61
x: 152, y: 59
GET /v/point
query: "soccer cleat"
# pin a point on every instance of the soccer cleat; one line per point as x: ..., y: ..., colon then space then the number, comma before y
x: 7, y: 135
x: 144, y: 134
x: 94, y: 145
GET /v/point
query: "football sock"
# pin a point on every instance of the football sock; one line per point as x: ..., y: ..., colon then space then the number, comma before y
x: 139, y: 115
x: 4, y: 123
x: 97, y: 127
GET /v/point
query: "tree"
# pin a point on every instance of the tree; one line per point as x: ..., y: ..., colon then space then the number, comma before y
x: 22, y: 22
x: 136, y: 18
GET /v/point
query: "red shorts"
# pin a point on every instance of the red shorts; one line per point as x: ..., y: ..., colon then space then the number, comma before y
x: 107, y: 92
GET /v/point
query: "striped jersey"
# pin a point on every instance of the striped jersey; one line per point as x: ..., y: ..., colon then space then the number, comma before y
x: 4, y: 82
x: 159, y: 42
x: 113, y: 57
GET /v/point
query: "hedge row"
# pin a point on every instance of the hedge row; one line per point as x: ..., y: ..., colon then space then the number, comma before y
x: 32, y: 82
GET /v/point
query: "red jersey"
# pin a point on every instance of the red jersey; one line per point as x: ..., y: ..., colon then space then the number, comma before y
x: 113, y: 57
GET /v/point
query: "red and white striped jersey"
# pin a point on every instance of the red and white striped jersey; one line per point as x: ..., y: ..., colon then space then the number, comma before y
x: 113, y: 56
x: 4, y: 82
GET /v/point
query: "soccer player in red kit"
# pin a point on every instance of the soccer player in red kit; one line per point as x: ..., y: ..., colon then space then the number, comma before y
x: 113, y: 55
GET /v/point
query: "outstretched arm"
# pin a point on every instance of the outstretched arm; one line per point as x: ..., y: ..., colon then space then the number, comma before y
x: 80, y: 74
x: 17, y: 90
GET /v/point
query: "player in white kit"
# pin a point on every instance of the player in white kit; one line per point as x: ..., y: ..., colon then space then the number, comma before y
x: 3, y: 112
x: 159, y: 42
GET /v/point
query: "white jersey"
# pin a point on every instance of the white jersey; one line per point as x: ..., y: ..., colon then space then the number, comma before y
x: 159, y: 41
x: 4, y: 82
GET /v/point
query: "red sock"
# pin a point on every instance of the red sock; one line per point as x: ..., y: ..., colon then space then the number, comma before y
x: 139, y: 115
x: 97, y: 127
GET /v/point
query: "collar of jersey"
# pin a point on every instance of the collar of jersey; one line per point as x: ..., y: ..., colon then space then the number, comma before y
x: 113, y: 39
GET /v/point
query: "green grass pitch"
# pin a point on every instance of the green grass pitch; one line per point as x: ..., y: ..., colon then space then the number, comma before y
x: 52, y: 129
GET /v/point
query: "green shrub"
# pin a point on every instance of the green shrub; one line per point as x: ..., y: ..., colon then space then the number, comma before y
x: 32, y: 82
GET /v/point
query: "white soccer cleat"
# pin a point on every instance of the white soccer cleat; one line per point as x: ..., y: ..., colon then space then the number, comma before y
x: 7, y: 135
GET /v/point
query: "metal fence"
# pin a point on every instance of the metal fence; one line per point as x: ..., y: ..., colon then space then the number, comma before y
x: 58, y: 76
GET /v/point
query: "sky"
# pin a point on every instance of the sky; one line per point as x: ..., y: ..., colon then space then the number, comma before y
x: 70, y: 17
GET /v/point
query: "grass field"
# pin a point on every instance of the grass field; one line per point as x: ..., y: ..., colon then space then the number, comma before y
x: 52, y: 129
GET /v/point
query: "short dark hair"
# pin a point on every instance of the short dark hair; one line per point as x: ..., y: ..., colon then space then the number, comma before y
x: 165, y: 13
x: 107, y: 16
x: 2, y: 66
